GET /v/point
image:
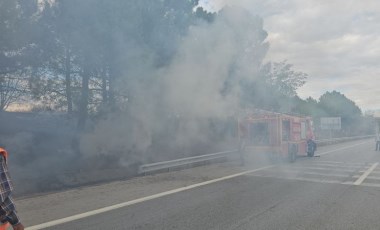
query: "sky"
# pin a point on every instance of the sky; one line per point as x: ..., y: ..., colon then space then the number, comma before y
x: 336, y: 42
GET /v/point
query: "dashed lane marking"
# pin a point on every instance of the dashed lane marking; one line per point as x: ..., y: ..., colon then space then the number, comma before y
x: 366, y: 174
x: 324, y: 169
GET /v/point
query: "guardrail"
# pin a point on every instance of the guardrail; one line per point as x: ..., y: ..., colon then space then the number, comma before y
x: 147, y: 168
x: 167, y: 165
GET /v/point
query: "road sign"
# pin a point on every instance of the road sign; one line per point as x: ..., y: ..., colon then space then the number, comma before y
x: 331, y: 123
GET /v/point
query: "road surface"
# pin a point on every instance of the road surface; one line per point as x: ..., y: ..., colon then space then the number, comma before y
x: 338, y: 190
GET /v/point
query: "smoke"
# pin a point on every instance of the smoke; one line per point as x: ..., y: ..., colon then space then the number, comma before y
x: 196, y: 78
x: 165, y: 111
x: 37, y: 155
x: 172, y: 110
x: 119, y: 135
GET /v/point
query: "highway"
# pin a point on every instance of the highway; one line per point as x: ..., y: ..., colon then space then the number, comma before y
x: 338, y: 189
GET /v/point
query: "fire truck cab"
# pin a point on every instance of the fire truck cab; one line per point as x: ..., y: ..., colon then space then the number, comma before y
x: 279, y: 135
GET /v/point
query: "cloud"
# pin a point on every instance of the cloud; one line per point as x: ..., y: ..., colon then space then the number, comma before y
x: 337, y: 43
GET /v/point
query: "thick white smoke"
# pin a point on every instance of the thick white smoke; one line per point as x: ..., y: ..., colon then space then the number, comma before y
x: 203, y: 81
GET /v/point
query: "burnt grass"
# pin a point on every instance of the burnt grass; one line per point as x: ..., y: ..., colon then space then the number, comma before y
x: 45, y: 157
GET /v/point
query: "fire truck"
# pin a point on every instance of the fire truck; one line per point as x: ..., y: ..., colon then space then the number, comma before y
x: 278, y: 135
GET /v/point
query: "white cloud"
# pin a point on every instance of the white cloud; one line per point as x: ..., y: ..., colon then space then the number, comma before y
x: 337, y: 43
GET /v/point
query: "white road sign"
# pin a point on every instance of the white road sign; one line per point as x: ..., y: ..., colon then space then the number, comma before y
x: 331, y: 123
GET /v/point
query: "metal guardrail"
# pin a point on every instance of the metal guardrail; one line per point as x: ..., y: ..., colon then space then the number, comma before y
x: 147, y: 168
x: 167, y: 165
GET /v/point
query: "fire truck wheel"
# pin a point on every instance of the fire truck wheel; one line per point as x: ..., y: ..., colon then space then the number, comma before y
x: 292, y: 153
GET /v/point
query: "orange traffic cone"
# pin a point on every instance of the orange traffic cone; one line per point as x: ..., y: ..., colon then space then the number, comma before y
x: 5, y: 226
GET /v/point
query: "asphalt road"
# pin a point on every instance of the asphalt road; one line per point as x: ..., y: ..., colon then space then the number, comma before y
x: 338, y: 190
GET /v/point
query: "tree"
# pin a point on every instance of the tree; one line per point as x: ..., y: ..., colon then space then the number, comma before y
x: 285, y: 79
x: 309, y: 107
x: 246, y: 38
x: 336, y: 104
x: 102, y: 51
x: 11, y: 89
x: 260, y: 93
x: 274, y: 87
x: 17, y: 35
x: 17, y: 46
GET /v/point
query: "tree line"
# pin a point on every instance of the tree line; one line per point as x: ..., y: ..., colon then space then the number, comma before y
x: 71, y: 56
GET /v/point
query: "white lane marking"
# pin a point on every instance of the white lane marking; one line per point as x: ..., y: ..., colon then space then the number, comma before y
x: 342, y: 162
x: 369, y: 177
x: 370, y: 185
x: 303, y: 179
x: 373, y: 172
x: 328, y: 166
x: 326, y: 174
x: 365, y: 174
x: 143, y: 199
x: 335, y: 150
x: 323, y: 168
x: 348, y: 183
x: 339, y: 164
x: 293, y: 173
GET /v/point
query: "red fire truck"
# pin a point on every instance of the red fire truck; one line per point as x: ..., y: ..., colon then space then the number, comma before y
x: 279, y: 135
